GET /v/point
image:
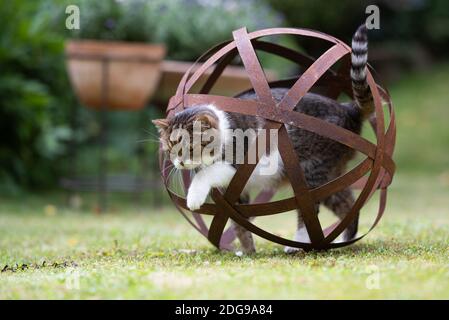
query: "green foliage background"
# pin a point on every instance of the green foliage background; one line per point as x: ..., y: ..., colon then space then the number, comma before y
x: 35, y: 95
x: 36, y: 98
x: 425, y: 22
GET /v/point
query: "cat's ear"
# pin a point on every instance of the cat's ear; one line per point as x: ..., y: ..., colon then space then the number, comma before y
x: 161, y: 124
x: 207, y: 120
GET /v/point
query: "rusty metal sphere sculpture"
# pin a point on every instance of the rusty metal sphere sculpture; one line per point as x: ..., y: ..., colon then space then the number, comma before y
x: 374, y: 173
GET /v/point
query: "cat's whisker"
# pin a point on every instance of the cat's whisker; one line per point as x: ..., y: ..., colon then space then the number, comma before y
x: 148, y: 140
x: 150, y: 133
x: 169, y: 167
x: 180, y: 181
x: 173, y: 170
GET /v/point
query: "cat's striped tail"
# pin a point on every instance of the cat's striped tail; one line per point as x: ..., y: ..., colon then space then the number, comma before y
x: 359, y: 58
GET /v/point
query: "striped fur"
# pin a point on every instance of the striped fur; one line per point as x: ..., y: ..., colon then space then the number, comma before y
x: 359, y: 58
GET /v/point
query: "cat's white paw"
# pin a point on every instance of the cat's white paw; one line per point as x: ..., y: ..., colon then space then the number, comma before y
x: 291, y: 250
x: 195, y: 200
x: 302, y: 235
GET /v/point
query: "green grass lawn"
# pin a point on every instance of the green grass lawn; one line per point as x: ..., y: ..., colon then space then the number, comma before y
x: 141, y: 252
x: 144, y: 253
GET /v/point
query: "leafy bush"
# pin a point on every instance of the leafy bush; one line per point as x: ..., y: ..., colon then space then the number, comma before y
x: 33, y: 94
x: 189, y: 28
x: 402, y: 22
x: 186, y: 27
x: 132, y: 20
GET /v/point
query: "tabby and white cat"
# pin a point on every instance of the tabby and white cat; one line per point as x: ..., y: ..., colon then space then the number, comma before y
x: 322, y: 159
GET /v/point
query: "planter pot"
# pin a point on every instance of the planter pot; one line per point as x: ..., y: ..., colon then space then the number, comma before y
x: 114, y: 75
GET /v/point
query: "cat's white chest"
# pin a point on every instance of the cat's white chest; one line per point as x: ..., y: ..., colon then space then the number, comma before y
x: 267, y: 173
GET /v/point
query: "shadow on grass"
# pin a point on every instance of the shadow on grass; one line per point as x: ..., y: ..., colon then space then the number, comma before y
x: 205, y: 255
x: 377, y: 248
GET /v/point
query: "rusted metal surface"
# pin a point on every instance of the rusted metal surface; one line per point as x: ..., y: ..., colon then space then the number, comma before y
x: 373, y: 174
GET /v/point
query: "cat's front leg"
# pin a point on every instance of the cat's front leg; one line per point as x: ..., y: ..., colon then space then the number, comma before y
x: 245, y: 237
x: 198, y: 192
x: 215, y: 175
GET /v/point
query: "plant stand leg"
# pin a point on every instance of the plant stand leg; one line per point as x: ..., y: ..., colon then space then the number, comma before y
x: 142, y: 170
x: 72, y: 161
x: 102, y: 169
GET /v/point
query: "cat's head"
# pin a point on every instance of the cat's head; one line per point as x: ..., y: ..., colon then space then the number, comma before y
x: 193, y: 137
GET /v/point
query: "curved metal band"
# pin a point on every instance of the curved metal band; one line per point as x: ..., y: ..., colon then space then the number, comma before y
x: 378, y: 164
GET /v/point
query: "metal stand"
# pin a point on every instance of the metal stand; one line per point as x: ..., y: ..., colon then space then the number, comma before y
x: 102, y: 169
x: 102, y: 183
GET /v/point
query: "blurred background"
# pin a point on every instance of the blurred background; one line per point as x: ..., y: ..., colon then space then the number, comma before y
x: 80, y: 187
x: 54, y: 136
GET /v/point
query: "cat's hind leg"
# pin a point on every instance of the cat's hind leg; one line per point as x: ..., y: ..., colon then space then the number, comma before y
x: 301, y: 234
x: 245, y: 237
x: 341, y: 204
